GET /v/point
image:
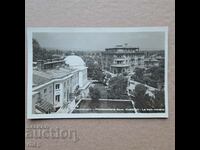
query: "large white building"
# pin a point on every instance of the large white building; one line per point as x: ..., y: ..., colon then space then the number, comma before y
x: 56, y: 82
x: 122, y: 59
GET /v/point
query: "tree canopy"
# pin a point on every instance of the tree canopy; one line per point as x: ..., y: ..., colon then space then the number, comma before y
x: 118, y: 87
x: 144, y: 101
x: 95, y: 95
x: 95, y: 71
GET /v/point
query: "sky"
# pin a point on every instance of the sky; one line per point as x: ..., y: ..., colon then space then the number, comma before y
x: 100, y: 41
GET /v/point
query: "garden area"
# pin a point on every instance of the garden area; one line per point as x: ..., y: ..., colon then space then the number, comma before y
x: 103, y: 98
x: 153, y: 76
x: 102, y: 90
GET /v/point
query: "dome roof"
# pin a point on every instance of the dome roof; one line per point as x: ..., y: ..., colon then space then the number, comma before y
x: 74, y: 61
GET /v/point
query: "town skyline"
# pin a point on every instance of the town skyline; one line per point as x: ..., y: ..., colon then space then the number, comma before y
x: 100, y: 41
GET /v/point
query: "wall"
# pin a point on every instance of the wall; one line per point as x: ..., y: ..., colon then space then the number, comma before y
x: 47, y: 96
x: 35, y: 98
x: 107, y: 134
x: 58, y: 92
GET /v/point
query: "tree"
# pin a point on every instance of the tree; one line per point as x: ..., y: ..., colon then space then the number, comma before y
x: 118, y: 88
x: 98, y: 74
x: 156, y: 76
x: 140, y: 89
x: 141, y: 99
x: 159, y: 102
x: 94, y: 71
x: 139, y: 72
x: 40, y: 53
x: 36, y: 50
x: 94, y: 95
x: 139, y: 75
x: 157, y: 73
x: 108, y: 76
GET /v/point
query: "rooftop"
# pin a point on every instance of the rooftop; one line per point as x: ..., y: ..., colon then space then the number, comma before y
x: 63, y: 67
x: 75, y: 61
x: 52, y: 62
x: 41, y: 77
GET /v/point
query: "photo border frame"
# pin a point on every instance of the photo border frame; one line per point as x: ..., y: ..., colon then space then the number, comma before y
x: 31, y: 30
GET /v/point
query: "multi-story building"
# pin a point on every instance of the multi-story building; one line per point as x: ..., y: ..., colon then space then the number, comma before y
x: 55, y: 82
x: 154, y: 60
x: 122, y: 59
x: 151, y: 62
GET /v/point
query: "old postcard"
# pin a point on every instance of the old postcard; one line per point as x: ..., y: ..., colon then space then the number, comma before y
x: 97, y: 72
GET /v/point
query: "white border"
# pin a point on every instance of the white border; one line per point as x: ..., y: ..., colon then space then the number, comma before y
x: 92, y: 115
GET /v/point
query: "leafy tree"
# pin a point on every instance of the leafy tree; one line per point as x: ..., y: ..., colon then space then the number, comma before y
x: 157, y: 73
x: 140, y: 89
x: 139, y: 75
x: 98, y: 74
x: 139, y: 72
x: 95, y: 95
x: 144, y: 101
x: 156, y: 76
x: 141, y: 99
x: 94, y: 71
x: 40, y: 53
x: 108, y: 75
x: 159, y: 102
x: 117, y: 88
x: 36, y: 50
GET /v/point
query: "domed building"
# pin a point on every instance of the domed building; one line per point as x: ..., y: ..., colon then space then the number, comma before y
x: 57, y: 83
x: 77, y: 63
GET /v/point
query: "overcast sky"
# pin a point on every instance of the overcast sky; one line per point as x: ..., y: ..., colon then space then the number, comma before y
x: 100, y: 41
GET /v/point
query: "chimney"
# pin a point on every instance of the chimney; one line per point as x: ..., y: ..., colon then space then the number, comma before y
x: 40, y: 64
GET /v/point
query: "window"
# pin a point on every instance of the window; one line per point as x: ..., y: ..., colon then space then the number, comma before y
x: 64, y: 84
x: 57, y: 86
x: 58, y: 98
x: 45, y: 90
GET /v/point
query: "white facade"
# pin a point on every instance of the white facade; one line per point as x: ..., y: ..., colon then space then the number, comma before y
x: 64, y: 87
x: 76, y: 62
x: 122, y: 59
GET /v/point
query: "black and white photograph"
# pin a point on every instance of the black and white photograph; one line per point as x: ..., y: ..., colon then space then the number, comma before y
x: 97, y: 72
